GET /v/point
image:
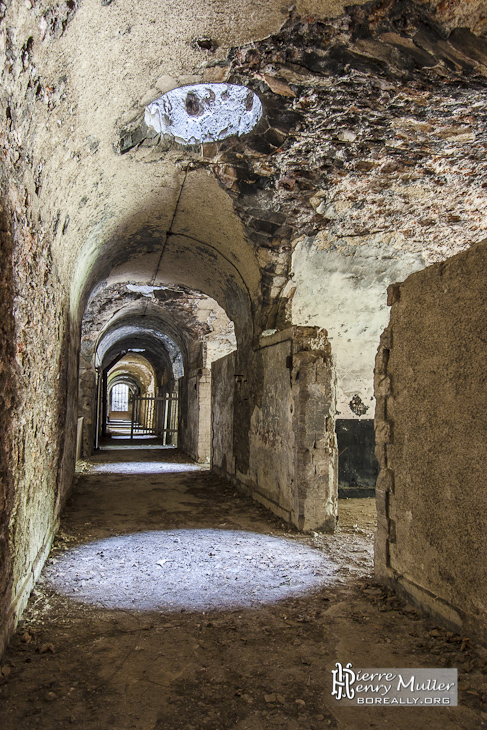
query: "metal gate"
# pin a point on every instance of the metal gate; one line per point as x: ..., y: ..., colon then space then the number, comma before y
x: 155, y: 416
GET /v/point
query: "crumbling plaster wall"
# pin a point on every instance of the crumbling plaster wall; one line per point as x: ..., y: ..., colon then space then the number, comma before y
x: 78, y: 96
x: 38, y: 366
x: 273, y: 425
x: 431, y: 421
x: 371, y: 122
x: 371, y: 166
x: 346, y: 290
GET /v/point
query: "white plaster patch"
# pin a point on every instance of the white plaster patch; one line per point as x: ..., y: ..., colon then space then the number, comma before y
x: 347, y: 296
x: 204, y: 112
x: 145, y: 290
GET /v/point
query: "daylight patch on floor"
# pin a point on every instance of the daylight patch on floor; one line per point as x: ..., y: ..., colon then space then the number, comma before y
x: 143, y: 467
x: 192, y: 570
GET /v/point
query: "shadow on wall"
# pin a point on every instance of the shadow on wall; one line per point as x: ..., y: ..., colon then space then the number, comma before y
x: 7, y: 360
x: 358, y: 468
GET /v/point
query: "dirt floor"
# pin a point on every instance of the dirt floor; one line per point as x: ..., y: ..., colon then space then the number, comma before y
x: 170, y: 602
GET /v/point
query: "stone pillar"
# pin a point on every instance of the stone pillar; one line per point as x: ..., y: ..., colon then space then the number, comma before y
x: 204, y: 415
x: 315, y: 448
x: 384, y: 488
x: 87, y: 405
x: 195, y: 421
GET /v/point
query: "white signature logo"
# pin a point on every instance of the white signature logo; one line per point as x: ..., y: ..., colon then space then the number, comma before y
x: 343, y: 679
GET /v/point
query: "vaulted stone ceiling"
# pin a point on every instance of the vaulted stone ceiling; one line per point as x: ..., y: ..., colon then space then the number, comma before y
x: 174, y: 318
x: 368, y: 163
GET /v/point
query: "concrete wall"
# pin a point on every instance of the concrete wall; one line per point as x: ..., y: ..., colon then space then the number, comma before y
x: 273, y: 425
x: 431, y: 425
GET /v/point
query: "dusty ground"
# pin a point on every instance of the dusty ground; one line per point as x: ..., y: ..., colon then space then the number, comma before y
x: 256, y: 653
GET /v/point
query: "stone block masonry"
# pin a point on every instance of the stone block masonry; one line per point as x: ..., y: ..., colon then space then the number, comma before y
x: 284, y: 451
x: 431, y: 421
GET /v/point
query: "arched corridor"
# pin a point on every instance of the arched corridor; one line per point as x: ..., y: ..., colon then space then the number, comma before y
x: 243, y: 266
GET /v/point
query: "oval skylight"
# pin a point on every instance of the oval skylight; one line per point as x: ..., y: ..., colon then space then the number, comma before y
x: 204, y: 112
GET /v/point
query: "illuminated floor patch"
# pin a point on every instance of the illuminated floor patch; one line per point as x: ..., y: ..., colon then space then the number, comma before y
x: 144, y: 467
x: 193, y: 570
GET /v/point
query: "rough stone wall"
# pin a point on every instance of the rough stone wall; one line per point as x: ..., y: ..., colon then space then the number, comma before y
x: 270, y: 472
x: 87, y: 398
x: 316, y: 455
x: 222, y: 409
x: 7, y: 404
x: 188, y: 420
x: 280, y: 445
x: 38, y: 395
x: 204, y: 416
x: 38, y: 354
x: 195, y: 419
x: 431, y: 422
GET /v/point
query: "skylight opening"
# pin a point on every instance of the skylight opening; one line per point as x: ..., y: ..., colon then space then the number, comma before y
x: 204, y: 112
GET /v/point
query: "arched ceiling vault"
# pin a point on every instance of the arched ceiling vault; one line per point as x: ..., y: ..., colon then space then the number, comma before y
x: 157, y: 356
x: 182, y: 319
x: 367, y: 126
x: 124, y: 378
x: 144, y: 317
x: 158, y: 347
x: 201, y: 245
x: 140, y: 369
